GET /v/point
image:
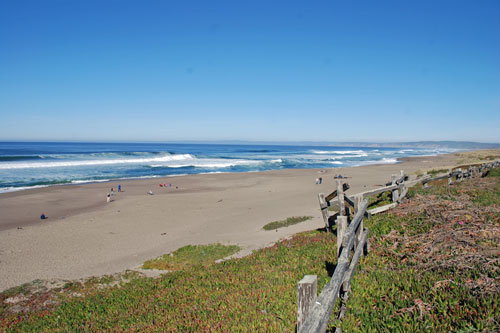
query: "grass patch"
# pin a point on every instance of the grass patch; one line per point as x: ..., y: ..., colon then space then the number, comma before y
x: 494, y: 173
x: 479, y: 156
x: 435, y: 172
x: 191, y: 255
x: 285, y: 223
x: 380, y: 200
x: 486, y: 198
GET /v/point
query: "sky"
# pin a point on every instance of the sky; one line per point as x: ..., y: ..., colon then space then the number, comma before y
x: 118, y: 70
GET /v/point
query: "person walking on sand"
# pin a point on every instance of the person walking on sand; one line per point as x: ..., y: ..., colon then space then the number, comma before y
x: 119, y: 187
x: 108, y: 197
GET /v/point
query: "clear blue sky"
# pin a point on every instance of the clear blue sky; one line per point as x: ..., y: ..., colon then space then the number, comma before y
x: 250, y: 70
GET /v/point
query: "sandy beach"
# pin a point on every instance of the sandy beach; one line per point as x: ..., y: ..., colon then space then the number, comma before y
x: 85, y: 236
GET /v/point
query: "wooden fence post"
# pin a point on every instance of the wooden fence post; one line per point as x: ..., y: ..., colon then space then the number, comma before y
x: 395, y: 193
x: 341, y: 230
x: 358, y: 199
x: 307, y: 289
x: 340, y: 196
x: 324, y: 210
x: 459, y: 175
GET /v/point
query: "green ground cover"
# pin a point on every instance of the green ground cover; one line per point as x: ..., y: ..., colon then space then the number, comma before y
x: 380, y: 200
x: 191, y: 255
x: 287, y: 222
x: 435, y: 172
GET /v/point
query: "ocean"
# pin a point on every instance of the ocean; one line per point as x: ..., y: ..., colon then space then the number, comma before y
x: 25, y: 165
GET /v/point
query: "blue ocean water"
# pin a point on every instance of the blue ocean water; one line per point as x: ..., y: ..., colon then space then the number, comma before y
x: 36, y: 164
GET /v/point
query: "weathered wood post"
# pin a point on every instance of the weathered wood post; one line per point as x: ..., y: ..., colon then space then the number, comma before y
x: 324, y: 210
x: 402, y: 185
x: 340, y: 196
x: 358, y: 199
x: 395, y: 193
x: 424, y: 183
x: 307, y: 290
x: 341, y: 230
x: 459, y: 175
x: 341, y: 219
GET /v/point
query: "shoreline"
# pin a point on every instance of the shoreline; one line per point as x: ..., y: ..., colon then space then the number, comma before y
x: 85, y: 236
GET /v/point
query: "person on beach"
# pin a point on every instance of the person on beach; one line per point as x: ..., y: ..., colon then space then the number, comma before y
x: 320, y: 180
x: 119, y: 187
x: 43, y: 217
x: 108, y: 197
x: 112, y: 191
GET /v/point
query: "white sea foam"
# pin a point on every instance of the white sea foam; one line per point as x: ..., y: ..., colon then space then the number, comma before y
x: 14, y: 189
x: 321, y: 152
x: 385, y: 160
x: 338, y: 152
x: 56, y: 164
x: 358, y: 155
x: 89, y: 181
x: 336, y: 162
x: 217, y: 163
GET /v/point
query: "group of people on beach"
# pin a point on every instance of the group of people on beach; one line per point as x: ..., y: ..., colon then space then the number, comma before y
x: 319, y: 180
x: 162, y: 185
x: 112, y: 193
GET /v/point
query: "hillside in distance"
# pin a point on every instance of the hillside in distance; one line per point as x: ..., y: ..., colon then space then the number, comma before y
x: 423, y: 144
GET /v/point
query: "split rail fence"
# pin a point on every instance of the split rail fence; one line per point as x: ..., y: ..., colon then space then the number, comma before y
x: 314, y: 312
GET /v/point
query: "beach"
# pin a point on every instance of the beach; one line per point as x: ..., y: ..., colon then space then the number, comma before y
x: 85, y: 236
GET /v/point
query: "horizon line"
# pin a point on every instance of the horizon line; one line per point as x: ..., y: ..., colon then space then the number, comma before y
x: 262, y: 142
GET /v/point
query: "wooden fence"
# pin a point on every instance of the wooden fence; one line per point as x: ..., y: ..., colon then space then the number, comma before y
x: 314, y: 312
